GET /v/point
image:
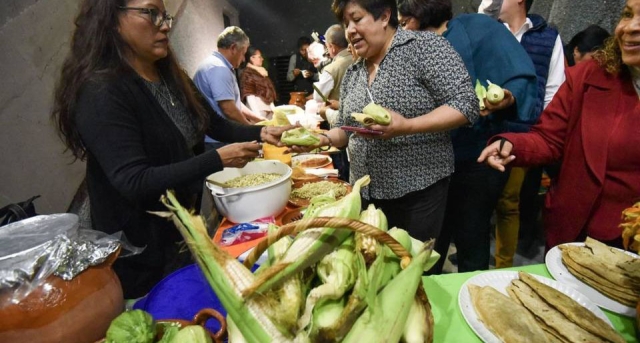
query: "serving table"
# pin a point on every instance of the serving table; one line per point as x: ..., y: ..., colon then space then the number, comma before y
x: 451, y: 326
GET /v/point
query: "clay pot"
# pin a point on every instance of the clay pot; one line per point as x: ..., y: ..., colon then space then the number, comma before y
x: 79, y: 310
x: 298, y: 99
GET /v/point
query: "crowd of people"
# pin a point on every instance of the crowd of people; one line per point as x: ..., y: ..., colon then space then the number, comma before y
x: 442, y: 168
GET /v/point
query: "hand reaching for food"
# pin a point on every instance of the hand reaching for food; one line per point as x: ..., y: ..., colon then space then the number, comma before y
x: 237, y: 155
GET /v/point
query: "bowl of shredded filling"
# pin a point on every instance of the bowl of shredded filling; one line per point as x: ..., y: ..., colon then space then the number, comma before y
x: 258, y: 190
x: 303, y: 191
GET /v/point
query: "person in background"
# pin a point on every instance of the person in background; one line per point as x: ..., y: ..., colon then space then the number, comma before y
x: 301, y: 71
x: 518, y: 209
x: 422, y: 82
x: 256, y: 88
x: 490, y: 52
x: 123, y: 104
x: 329, y: 84
x: 216, y: 79
x: 598, y: 143
x: 332, y: 74
x: 582, y: 46
x: 318, y: 55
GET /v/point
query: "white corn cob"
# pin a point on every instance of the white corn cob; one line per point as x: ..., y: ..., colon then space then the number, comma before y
x: 227, y: 277
x: 311, y: 245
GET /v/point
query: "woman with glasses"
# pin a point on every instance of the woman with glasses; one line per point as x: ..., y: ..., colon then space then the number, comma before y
x: 256, y: 88
x: 124, y: 105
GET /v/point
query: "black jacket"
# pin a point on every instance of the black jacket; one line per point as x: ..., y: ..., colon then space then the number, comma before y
x: 135, y: 153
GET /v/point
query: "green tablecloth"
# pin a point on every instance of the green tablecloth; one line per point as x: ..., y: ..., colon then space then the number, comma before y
x: 451, y: 325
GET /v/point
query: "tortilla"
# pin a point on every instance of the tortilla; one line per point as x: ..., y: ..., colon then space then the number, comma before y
x: 508, y: 320
x: 590, y: 278
x: 571, y: 309
x: 604, y: 291
x: 607, y: 253
x: 631, y: 269
x: 604, y: 268
x: 552, y: 318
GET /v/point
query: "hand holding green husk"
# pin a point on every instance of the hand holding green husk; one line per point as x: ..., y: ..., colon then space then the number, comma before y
x: 299, y: 136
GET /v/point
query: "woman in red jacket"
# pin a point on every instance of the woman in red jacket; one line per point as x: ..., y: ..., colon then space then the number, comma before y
x: 592, y: 125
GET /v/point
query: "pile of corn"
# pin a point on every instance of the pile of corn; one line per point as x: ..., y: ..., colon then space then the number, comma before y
x: 325, y: 285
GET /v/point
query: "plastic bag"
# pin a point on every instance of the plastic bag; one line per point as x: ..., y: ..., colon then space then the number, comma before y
x: 33, y: 249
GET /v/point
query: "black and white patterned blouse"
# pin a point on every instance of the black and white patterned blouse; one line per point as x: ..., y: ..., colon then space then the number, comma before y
x: 420, y: 73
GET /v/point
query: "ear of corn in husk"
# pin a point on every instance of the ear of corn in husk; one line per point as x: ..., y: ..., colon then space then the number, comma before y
x: 337, y: 272
x: 311, y: 245
x: 481, y: 94
x: 373, y: 114
x: 366, y: 244
x: 280, y: 115
x: 227, y: 277
x: 384, y: 321
x: 495, y: 93
x: 299, y: 136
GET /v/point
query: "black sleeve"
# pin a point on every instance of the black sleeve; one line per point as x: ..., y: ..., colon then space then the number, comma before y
x: 113, y: 135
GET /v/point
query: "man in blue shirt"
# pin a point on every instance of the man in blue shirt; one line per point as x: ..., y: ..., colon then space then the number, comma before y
x: 216, y: 78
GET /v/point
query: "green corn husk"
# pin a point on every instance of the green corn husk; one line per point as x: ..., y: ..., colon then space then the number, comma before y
x: 227, y: 277
x: 289, y: 296
x: 420, y: 324
x: 384, y: 320
x: 299, y: 136
x: 338, y: 274
x: 366, y: 244
x: 373, y: 114
x: 495, y: 93
x: 352, y: 310
x: 481, y: 93
x: 311, y: 245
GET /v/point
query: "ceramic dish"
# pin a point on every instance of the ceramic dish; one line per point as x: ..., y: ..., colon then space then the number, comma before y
x: 302, y: 202
x: 310, y: 161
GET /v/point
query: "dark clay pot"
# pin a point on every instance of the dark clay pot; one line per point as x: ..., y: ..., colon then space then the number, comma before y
x: 75, y: 311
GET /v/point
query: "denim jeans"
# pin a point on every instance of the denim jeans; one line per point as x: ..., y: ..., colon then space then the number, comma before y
x: 473, y: 194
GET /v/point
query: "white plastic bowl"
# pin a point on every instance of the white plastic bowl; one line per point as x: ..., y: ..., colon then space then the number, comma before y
x: 241, y: 205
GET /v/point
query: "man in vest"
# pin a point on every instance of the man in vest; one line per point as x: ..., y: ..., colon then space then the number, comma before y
x: 516, y: 208
x: 332, y: 74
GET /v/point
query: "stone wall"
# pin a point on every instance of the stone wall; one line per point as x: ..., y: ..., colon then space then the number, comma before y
x: 34, y: 36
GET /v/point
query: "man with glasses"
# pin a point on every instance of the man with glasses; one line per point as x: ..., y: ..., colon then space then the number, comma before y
x: 216, y: 79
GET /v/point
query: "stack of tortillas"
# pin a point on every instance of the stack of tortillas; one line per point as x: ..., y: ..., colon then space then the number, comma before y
x: 535, y: 312
x: 608, y: 270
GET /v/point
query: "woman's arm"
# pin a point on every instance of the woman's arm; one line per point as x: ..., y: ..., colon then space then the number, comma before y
x: 111, y: 132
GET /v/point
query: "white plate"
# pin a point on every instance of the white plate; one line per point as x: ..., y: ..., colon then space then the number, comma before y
x: 296, y: 160
x: 557, y: 269
x: 500, y: 280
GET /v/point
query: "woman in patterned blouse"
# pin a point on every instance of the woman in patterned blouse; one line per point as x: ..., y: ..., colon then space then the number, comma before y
x: 425, y: 86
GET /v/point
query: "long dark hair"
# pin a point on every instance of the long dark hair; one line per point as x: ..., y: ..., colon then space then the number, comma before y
x: 98, y: 51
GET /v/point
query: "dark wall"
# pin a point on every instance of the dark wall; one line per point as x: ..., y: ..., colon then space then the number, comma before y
x: 275, y: 25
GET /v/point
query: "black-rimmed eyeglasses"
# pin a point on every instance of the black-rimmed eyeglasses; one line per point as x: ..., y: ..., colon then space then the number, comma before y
x: 156, y: 17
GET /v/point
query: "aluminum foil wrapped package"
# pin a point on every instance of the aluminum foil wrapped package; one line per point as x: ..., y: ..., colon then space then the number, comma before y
x: 35, y: 248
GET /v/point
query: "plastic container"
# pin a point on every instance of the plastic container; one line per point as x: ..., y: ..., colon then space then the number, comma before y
x: 242, y: 205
